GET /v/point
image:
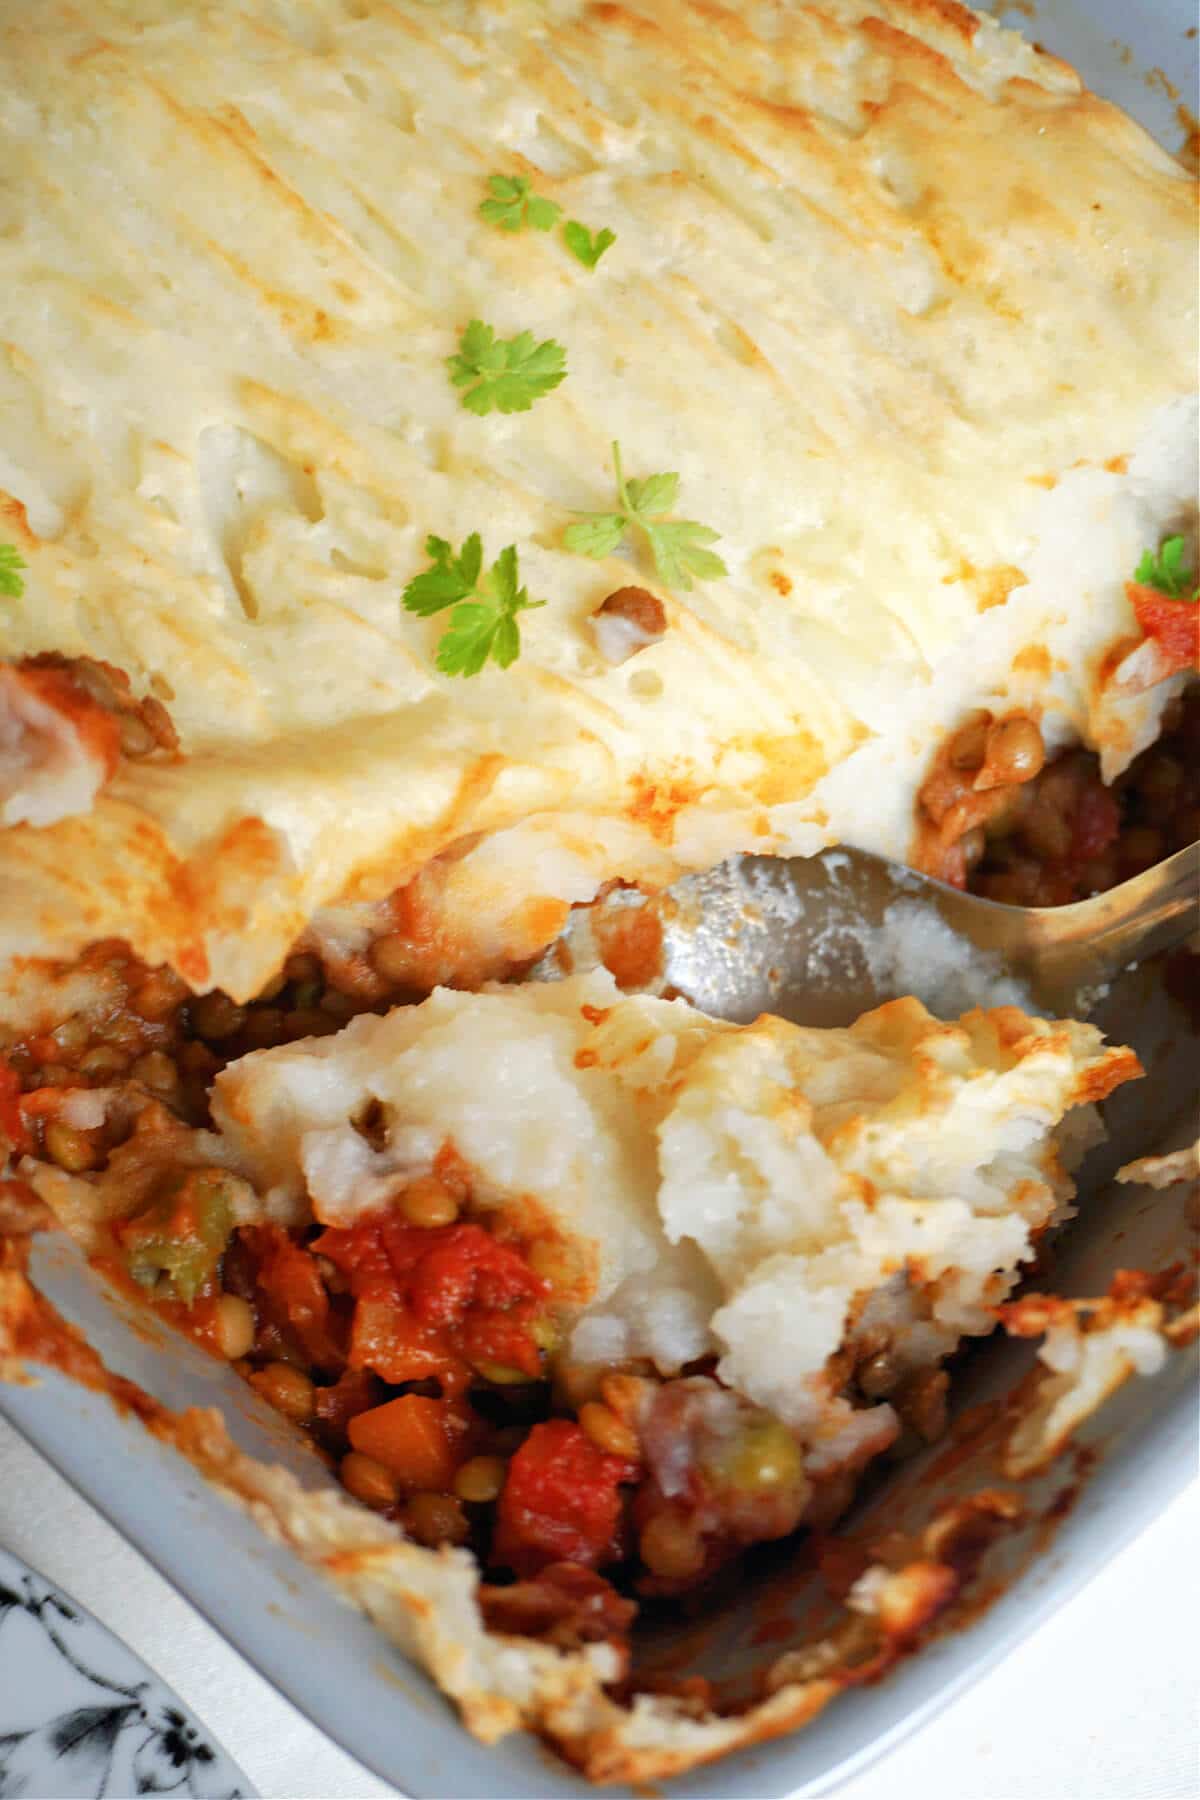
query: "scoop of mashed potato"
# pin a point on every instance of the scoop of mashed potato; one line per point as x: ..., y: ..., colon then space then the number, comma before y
x: 767, y: 1193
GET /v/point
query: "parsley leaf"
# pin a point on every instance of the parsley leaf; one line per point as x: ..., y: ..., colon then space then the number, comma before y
x: 11, y: 565
x: 1164, y: 570
x: 678, y: 546
x: 450, y: 579
x: 588, y: 246
x: 512, y: 206
x: 596, y: 534
x: 484, y: 621
x: 679, y: 553
x: 507, y: 374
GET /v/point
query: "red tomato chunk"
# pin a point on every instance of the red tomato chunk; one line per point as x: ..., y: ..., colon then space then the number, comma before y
x: 431, y: 1301
x: 1175, y: 624
x: 561, y: 1502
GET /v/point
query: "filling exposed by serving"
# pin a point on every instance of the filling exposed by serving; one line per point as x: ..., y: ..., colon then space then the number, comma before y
x: 599, y: 1287
x: 603, y: 1289
x: 998, y: 817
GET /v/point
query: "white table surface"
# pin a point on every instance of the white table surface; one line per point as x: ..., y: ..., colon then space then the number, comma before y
x: 1102, y: 1703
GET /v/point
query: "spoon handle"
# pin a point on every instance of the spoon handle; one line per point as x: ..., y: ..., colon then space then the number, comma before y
x: 1075, y: 949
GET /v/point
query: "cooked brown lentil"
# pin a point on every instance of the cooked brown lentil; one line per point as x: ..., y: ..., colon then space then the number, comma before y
x: 368, y: 1480
x: 53, y: 1074
x: 289, y: 1390
x: 428, y: 1201
x: 72, y: 1150
x: 157, y: 1071
x: 233, y: 1327
x: 434, y: 1519
x: 921, y: 1401
x: 1015, y: 751
x: 216, y: 1016
x: 607, y: 1431
x: 480, y: 1479
x: 1069, y: 836
x: 877, y: 1376
x: 72, y: 1035
x: 391, y: 956
x: 671, y: 1547
x: 159, y: 995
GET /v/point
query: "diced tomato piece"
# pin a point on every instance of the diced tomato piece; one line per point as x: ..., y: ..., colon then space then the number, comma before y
x: 385, y: 1337
x: 1174, y: 624
x: 432, y: 1300
x: 360, y: 1254
x: 288, y: 1276
x: 561, y: 1501
x: 418, y: 1438
x: 453, y: 1268
x: 12, y: 1123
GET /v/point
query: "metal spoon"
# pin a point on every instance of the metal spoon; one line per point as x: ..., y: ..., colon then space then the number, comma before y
x: 802, y: 936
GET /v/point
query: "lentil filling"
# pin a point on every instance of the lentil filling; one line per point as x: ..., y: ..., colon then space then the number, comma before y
x: 998, y: 818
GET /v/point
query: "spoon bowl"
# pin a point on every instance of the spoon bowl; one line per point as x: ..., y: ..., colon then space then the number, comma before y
x: 819, y: 940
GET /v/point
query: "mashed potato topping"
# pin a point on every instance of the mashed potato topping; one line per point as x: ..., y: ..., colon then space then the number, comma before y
x: 935, y: 401
x: 767, y: 1193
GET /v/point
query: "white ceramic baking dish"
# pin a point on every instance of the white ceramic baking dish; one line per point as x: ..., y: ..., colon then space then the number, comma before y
x: 332, y: 1664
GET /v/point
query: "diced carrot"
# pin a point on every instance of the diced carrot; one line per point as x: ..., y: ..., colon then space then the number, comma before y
x: 416, y: 1437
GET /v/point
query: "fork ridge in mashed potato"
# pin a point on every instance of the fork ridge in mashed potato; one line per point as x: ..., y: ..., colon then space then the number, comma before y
x: 909, y: 311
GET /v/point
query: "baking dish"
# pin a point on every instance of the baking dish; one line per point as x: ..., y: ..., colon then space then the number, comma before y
x: 774, y: 1770
x: 1127, y: 1464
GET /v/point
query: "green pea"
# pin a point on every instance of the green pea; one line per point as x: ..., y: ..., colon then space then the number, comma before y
x: 764, y: 1458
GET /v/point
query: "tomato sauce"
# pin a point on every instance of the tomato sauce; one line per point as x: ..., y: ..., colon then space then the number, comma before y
x: 437, y: 1301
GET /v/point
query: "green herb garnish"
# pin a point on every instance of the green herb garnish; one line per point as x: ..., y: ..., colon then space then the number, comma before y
x: 512, y: 206
x: 589, y: 247
x: 11, y: 565
x: 1164, y: 570
x: 484, y: 621
x: 507, y: 374
x: 677, y: 545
